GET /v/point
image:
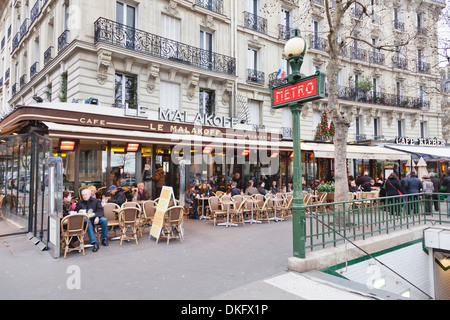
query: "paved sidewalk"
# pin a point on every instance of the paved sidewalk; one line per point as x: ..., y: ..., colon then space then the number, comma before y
x: 215, y: 263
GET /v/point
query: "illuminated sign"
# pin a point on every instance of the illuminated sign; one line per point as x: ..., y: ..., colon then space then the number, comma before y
x: 308, y: 89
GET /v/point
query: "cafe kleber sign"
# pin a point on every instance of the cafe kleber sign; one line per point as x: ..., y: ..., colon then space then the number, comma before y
x: 163, y: 205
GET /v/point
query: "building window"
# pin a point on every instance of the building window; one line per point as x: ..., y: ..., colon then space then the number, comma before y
x: 126, y: 91
x: 170, y: 27
x: 207, y: 49
x: 400, y: 128
x: 126, y: 16
x: 423, y: 130
x: 207, y: 101
x: 376, y: 129
x: 254, y: 112
x: 169, y: 95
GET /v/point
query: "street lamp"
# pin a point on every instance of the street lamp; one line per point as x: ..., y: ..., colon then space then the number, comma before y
x: 295, y: 50
x: 298, y: 90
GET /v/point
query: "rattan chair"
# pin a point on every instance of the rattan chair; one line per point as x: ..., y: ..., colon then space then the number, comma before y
x: 264, y: 213
x: 173, y: 224
x: 148, y: 209
x: 237, y: 214
x: 74, y: 225
x: 110, y: 211
x: 2, y: 198
x: 286, y: 209
x: 217, y: 211
x: 129, y: 219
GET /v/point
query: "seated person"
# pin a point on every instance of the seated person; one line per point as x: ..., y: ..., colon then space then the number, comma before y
x: 251, y: 190
x: 205, y: 190
x: 93, y: 191
x: 261, y: 188
x: 68, y: 205
x: 234, y: 189
x: 189, y: 201
x: 141, y: 194
x: 368, y: 186
x: 118, y: 197
x: 353, y: 187
x: 91, y: 203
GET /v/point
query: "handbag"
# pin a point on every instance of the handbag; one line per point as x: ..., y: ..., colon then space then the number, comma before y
x: 399, y: 193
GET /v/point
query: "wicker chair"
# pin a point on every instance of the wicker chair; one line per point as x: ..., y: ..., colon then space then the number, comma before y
x: 286, y: 209
x: 149, y: 209
x: 129, y: 218
x: 237, y: 214
x: 110, y: 214
x: 172, y: 227
x: 74, y: 225
x: 217, y: 211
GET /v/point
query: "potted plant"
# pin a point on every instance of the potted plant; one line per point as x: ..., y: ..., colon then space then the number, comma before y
x: 329, y: 189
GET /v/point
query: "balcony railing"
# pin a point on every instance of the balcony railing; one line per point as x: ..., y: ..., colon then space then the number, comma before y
x: 255, y: 22
x: 23, y: 80
x: 380, y: 98
x: 376, y: 57
x: 213, y: 5
x: 255, y: 76
x: 34, y: 12
x: 284, y: 32
x: 7, y: 74
x: 14, y: 89
x: 117, y: 34
x: 358, y: 54
x: 423, y: 67
x: 63, y: 40
x: 34, y: 69
x: 318, y: 43
x: 48, y: 55
x: 274, y: 81
x: 399, y: 62
x: 398, y: 25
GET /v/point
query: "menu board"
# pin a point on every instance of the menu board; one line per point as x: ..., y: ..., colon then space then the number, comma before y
x: 158, y: 219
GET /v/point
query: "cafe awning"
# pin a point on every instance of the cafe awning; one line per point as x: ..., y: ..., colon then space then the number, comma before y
x: 322, y: 150
x: 429, y: 152
x: 58, y: 130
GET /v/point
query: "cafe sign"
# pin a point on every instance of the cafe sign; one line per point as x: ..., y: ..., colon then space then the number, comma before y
x: 199, y: 119
x: 420, y: 142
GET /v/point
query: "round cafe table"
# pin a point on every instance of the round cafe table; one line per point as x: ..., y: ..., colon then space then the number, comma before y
x: 275, y: 218
x: 251, y: 221
x: 227, y: 224
x: 202, y: 199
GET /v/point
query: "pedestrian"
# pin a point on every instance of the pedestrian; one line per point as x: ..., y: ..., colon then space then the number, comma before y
x: 393, y: 191
x: 428, y: 189
x: 436, y: 190
x: 94, y: 209
x: 159, y: 178
x: 413, y: 186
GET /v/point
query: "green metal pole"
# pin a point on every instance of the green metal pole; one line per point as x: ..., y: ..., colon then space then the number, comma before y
x: 298, y: 208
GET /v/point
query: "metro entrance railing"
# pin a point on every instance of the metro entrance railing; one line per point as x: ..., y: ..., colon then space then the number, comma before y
x: 330, y: 224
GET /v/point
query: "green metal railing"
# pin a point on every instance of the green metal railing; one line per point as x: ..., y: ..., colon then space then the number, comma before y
x: 329, y: 224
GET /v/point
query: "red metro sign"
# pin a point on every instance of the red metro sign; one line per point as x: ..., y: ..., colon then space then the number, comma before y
x: 307, y: 89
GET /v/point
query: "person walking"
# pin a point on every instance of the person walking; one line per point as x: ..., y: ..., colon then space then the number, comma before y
x: 393, y: 191
x: 413, y: 186
x: 428, y: 189
x: 436, y: 189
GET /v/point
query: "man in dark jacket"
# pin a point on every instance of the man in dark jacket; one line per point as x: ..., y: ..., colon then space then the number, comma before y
x: 94, y: 209
x: 436, y: 189
x: 118, y: 197
x: 413, y: 186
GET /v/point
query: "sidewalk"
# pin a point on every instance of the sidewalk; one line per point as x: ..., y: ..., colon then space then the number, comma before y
x: 218, y: 263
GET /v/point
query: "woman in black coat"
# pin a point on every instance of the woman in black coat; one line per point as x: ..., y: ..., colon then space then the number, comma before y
x: 393, y: 190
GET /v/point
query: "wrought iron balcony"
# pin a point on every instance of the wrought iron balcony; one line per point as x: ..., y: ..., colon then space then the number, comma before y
x: 3, y: 43
x: 381, y: 98
x: 255, y: 76
x: 255, y: 22
x: 399, y: 62
x: 63, y: 40
x: 23, y: 80
x: 48, y: 55
x: 423, y: 67
x: 287, y: 134
x: 7, y: 74
x: 398, y: 25
x: 284, y: 32
x: 117, y: 34
x: 358, y: 54
x: 318, y: 43
x: 213, y: 5
x: 14, y: 89
x: 376, y: 57
x: 15, y: 41
x: 274, y: 81
x: 24, y: 28
x: 34, y: 69
x: 34, y: 12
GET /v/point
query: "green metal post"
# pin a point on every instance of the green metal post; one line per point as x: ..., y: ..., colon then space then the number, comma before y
x: 298, y: 208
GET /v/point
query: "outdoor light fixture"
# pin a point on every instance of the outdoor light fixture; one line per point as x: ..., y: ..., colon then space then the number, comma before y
x: 132, y: 147
x: 275, y: 154
x: 207, y: 149
x: 245, y: 152
x: 295, y: 50
x: 38, y: 99
x: 67, y: 145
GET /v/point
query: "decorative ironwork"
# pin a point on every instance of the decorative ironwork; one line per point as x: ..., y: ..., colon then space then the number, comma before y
x: 34, y: 69
x: 15, y: 41
x: 3, y: 42
x: 255, y: 76
x: 23, y: 80
x: 14, y: 89
x: 398, y: 25
x: 48, y: 55
x: 7, y: 74
x: 63, y: 40
x: 423, y: 67
x: 286, y: 134
x: 34, y: 12
x: 284, y: 32
x: 24, y: 28
x: 114, y: 33
x: 376, y: 57
x: 213, y: 5
x: 358, y: 54
x: 318, y: 43
x: 399, y: 62
x: 255, y: 22
x: 274, y: 81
